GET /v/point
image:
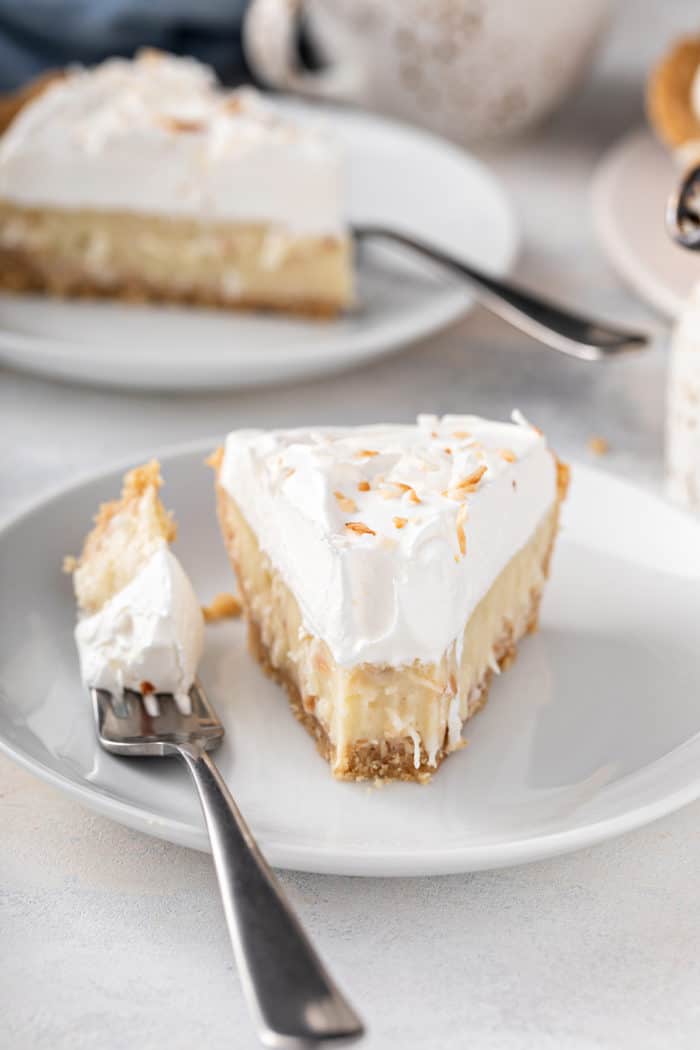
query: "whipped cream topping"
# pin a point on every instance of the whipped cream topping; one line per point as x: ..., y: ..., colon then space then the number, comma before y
x: 152, y: 631
x: 157, y: 134
x: 389, y: 536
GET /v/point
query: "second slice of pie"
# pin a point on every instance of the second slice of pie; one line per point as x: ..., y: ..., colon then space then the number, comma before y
x: 144, y: 179
x: 387, y: 572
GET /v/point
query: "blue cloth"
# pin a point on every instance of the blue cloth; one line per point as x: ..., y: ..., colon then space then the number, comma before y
x: 43, y: 34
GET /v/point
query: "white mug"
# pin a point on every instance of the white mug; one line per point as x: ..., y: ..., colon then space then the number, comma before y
x: 465, y: 68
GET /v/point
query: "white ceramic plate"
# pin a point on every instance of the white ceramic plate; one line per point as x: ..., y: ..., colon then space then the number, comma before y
x: 398, y: 176
x: 630, y: 191
x: 594, y: 730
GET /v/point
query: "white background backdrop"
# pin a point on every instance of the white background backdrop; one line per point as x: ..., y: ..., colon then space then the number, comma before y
x: 112, y: 940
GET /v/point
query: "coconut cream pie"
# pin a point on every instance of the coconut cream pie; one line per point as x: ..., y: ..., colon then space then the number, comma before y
x: 141, y: 625
x: 145, y: 179
x: 387, y: 573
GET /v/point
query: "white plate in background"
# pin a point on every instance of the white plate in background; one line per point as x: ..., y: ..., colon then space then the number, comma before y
x: 397, y: 175
x: 595, y: 730
x: 630, y: 190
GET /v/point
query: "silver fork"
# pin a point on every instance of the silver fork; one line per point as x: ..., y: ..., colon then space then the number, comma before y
x: 555, y: 326
x: 293, y: 1000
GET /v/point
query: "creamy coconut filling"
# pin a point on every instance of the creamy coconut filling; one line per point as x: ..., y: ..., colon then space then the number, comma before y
x: 174, y: 259
x: 159, y: 136
x: 148, y: 637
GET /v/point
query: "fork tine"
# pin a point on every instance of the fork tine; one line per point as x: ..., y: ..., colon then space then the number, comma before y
x: 151, y: 703
x: 202, y: 707
x: 120, y: 705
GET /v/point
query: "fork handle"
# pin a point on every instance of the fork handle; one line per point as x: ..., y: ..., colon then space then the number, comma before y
x: 555, y: 326
x: 291, y: 995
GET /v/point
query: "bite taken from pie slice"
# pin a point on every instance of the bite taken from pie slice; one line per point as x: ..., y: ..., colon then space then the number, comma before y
x: 141, y: 626
x: 388, y: 572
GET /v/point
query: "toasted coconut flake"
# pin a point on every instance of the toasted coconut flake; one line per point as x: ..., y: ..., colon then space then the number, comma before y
x: 320, y: 664
x: 152, y: 55
x: 508, y: 455
x: 395, y: 485
x: 146, y: 688
x: 345, y: 503
x: 363, y: 486
x: 360, y: 528
x: 467, y: 485
x: 448, y: 451
x: 400, y: 522
x: 461, y: 535
x: 563, y: 478
x: 598, y: 445
x: 461, y: 435
x: 471, y: 482
x: 407, y: 490
x: 403, y: 490
x: 180, y: 124
x: 70, y: 563
x: 224, y: 606
x: 367, y: 452
x: 215, y: 458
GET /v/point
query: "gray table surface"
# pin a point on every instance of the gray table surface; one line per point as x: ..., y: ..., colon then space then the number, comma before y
x: 110, y: 939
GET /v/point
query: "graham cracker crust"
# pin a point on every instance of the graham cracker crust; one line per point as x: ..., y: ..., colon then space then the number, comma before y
x: 21, y: 273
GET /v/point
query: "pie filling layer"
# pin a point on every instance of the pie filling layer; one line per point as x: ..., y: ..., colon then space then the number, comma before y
x: 133, y: 256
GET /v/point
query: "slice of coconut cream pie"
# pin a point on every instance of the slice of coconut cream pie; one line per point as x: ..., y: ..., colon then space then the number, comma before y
x: 145, y: 179
x: 141, y: 626
x: 387, y: 572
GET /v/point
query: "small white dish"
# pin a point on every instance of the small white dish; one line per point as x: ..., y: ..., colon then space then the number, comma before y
x: 397, y: 176
x: 594, y: 731
x: 630, y: 190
